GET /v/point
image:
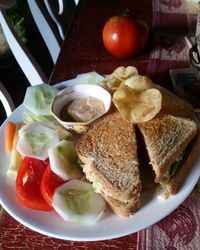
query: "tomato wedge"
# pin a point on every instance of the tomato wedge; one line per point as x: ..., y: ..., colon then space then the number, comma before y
x: 50, y: 181
x: 28, y: 183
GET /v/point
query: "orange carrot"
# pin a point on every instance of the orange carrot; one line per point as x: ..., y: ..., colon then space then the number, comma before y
x: 9, y: 135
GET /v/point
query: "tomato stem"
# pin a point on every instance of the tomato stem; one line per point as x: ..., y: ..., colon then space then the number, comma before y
x: 127, y: 12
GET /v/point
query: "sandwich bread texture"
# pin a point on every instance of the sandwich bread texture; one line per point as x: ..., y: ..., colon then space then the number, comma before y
x: 109, y: 153
x: 166, y: 138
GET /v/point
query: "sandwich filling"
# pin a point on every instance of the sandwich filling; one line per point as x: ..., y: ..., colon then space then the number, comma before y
x: 98, y: 187
x: 167, y: 140
x: 177, y: 165
x: 173, y: 169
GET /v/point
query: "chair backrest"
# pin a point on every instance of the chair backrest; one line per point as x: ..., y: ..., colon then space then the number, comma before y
x: 27, y: 62
x: 6, y: 100
x: 52, y: 18
x: 52, y: 24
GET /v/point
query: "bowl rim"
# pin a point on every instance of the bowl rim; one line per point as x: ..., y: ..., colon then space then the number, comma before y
x: 70, y: 88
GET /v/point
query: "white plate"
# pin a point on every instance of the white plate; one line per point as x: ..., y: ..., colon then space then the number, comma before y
x: 108, y: 227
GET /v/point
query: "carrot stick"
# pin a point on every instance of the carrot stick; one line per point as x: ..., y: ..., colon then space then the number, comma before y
x: 9, y: 135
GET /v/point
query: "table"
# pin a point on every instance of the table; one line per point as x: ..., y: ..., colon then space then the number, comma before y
x: 83, y: 51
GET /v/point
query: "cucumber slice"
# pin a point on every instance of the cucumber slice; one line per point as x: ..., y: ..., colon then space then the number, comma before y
x: 35, y: 139
x: 38, y: 99
x: 63, y: 160
x: 90, y: 78
x: 76, y: 201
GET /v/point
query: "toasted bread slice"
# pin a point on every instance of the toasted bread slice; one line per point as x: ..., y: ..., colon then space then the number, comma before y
x: 166, y: 137
x: 109, y: 151
x: 187, y: 164
x: 123, y: 209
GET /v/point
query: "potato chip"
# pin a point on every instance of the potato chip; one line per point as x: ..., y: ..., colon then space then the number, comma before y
x: 137, y: 106
x: 138, y: 99
x: 113, y: 81
x: 140, y: 83
x: 123, y: 73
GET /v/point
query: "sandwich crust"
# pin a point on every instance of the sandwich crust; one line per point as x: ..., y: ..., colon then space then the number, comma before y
x: 190, y: 158
x: 166, y: 137
x: 109, y: 151
x: 123, y: 209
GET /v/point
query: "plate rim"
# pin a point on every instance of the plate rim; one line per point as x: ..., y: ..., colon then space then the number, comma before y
x: 188, y: 186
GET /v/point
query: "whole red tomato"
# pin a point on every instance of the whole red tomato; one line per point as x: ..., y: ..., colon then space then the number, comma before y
x: 124, y: 36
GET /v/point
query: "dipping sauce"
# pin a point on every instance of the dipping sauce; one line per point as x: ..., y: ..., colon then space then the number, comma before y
x: 83, y: 110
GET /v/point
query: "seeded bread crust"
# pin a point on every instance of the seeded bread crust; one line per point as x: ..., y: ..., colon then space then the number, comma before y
x: 109, y: 150
x: 166, y: 137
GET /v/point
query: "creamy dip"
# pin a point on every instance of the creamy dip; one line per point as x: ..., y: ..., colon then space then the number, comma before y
x: 83, y: 110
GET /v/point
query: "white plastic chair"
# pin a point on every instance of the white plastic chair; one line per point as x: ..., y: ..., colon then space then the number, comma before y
x: 6, y: 100
x: 52, y: 18
x: 52, y: 37
x: 27, y: 62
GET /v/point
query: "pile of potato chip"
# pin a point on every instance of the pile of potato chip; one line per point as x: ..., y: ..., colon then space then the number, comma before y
x: 138, y: 99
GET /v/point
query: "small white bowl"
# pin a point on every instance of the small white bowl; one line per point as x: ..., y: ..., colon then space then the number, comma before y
x: 69, y: 94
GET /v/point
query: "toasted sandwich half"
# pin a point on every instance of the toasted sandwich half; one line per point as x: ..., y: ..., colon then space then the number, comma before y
x: 109, y: 153
x: 172, y: 144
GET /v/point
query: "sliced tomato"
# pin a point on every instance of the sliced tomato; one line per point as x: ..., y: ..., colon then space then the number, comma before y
x: 28, y: 184
x: 50, y: 181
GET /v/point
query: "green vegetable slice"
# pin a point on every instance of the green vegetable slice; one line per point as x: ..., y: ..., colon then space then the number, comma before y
x: 63, y: 160
x: 35, y: 139
x: 77, y: 201
x: 38, y: 99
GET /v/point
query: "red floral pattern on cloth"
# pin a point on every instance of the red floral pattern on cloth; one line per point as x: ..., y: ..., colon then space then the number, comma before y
x: 14, y: 235
x: 179, y: 230
x: 172, y: 20
x: 176, y: 6
x: 171, y: 23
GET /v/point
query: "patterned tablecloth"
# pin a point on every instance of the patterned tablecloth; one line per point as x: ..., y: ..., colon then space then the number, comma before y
x: 172, y: 20
x: 180, y: 230
x: 14, y: 235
